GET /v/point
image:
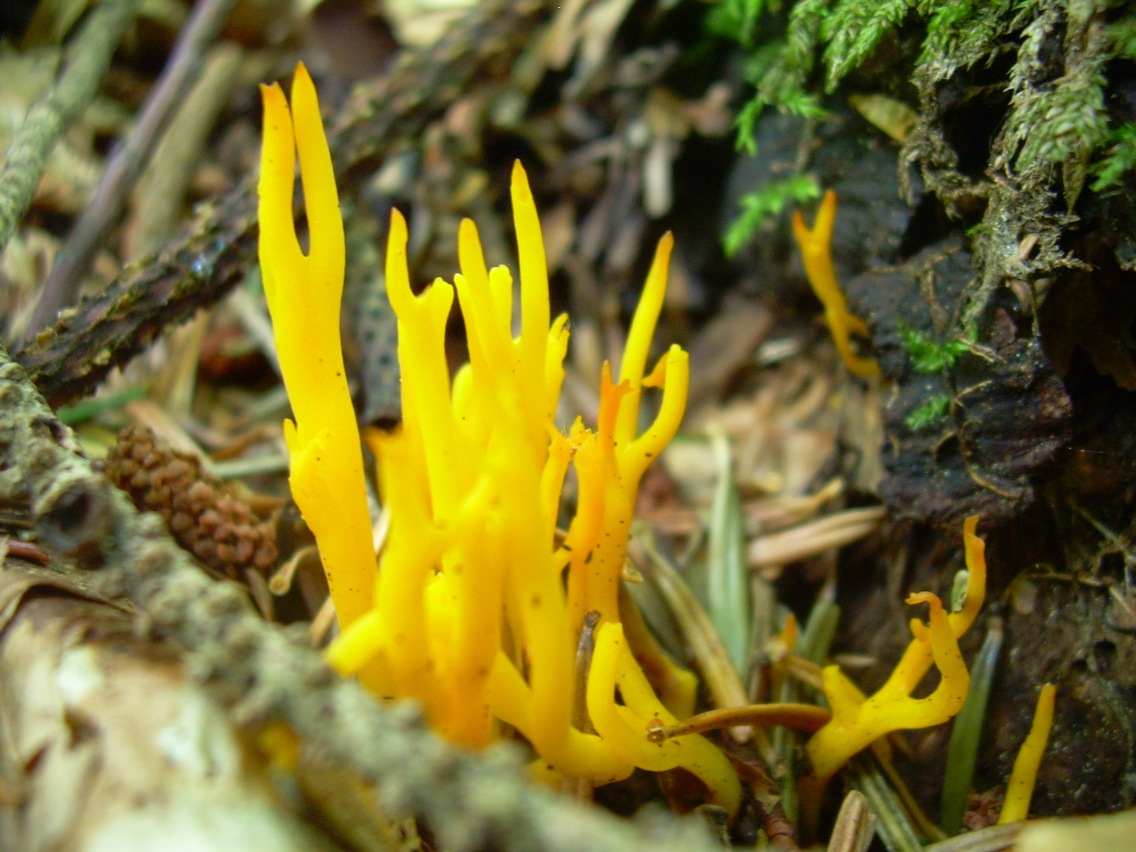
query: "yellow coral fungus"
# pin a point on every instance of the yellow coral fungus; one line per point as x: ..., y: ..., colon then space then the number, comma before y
x: 677, y: 687
x: 1019, y: 791
x: 304, y: 292
x: 816, y: 252
x: 476, y: 611
x: 858, y: 721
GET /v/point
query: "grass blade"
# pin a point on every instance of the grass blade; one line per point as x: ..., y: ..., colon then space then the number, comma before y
x: 966, y: 732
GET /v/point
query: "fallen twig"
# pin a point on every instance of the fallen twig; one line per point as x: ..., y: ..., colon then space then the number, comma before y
x: 127, y: 162
x: 213, y: 253
x: 27, y: 153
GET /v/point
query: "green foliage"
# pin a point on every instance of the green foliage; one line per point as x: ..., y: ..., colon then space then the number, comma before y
x: 794, y: 102
x: 1061, y: 120
x: 843, y: 34
x: 758, y: 208
x: 1122, y: 35
x: 1057, y: 122
x: 929, y: 413
x: 948, y: 21
x: 728, y: 587
x: 966, y: 733
x: 1119, y: 158
x: 735, y: 19
x: 779, y: 69
x: 966, y: 33
x: 854, y: 30
x: 1065, y: 122
x: 927, y: 354
x: 745, y: 123
x: 802, y: 104
x: 802, y: 37
x: 84, y: 410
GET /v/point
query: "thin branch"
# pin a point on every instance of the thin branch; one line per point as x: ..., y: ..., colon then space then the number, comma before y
x: 27, y: 153
x: 213, y: 253
x: 159, y: 196
x: 183, y: 68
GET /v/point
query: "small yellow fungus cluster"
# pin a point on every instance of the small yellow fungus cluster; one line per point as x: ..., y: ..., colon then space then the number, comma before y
x: 854, y: 721
x: 816, y: 252
x: 858, y: 721
x: 477, y: 609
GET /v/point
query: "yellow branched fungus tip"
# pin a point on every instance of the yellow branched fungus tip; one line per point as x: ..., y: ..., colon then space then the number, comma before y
x: 1019, y: 791
x: 304, y: 293
x: 816, y: 253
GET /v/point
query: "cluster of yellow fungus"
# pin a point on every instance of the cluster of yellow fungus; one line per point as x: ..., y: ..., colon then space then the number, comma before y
x: 478, y: 609
x: 816, y: 252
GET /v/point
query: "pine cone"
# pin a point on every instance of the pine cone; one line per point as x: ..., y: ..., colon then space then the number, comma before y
x: 202, y: 512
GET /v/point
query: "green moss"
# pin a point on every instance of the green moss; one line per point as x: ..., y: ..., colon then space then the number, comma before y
x: 853, y: 31
x: 735, y: 19
x: 927, y: 354
x: 1055, y: 126
x: 928, y: 414
x: 1117, y: 160
x: 759, y: 208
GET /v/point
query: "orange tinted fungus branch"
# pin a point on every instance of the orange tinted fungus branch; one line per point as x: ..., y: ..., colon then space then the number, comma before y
x: 1019, y: 791
x: 304, y: 294
x: 816, y: 253
x: 974, y: 549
